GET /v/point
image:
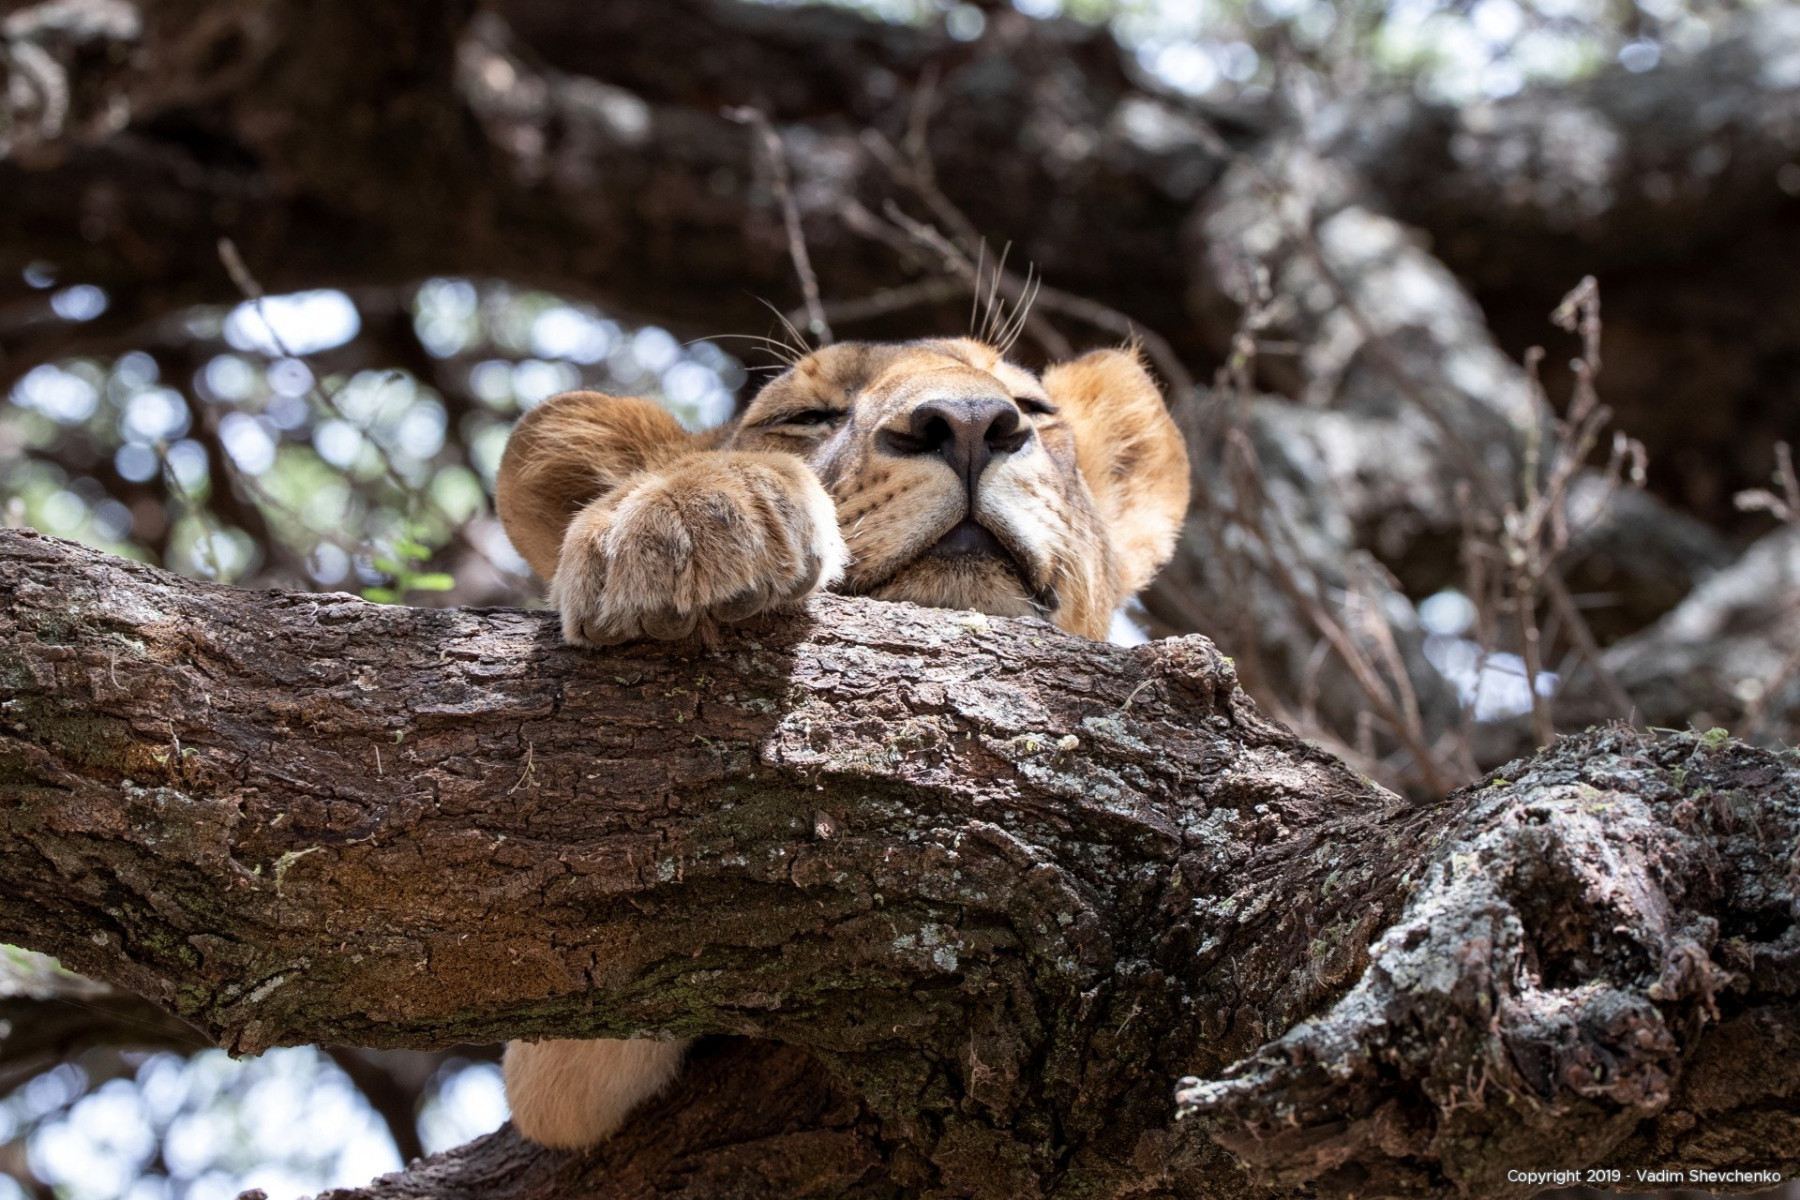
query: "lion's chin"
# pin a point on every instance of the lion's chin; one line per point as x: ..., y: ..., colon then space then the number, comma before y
x: 985, y: 585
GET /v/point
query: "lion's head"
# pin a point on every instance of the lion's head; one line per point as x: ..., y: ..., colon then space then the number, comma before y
x: 931, y: 471
x: 965, y: 481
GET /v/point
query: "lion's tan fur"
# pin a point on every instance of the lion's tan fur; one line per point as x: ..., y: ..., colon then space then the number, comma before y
x: 647, y: 530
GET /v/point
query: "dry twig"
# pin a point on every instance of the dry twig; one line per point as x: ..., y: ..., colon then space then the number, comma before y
x: 776, y: 155
x: 1784, y: 506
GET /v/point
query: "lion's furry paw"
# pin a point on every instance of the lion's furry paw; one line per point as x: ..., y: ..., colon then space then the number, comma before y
x: 710, y: 538
x: 569, y: 1095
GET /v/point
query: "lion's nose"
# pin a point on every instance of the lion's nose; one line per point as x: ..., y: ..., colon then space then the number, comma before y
x: 965, y: 433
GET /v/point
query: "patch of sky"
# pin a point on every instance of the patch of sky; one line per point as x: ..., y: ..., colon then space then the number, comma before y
x: 83, y: 302
x: 1491, y: 684
x: 65, y: 396
x: 297, y: 323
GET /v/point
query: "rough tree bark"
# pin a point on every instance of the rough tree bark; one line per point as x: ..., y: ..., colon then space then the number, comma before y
x: 582, y: 148
x: 977, y: 892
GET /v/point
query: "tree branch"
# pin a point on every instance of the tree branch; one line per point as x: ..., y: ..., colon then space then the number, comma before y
x: 561, y: 148
x: 1006, y: 885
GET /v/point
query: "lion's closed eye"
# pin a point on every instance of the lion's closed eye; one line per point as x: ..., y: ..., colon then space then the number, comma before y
x: 806, y: 419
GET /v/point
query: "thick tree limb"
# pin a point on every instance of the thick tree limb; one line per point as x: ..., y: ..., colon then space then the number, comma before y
x: 1617, y: 171
x: 1675, y: 187
x: 560, y: 145
x: 950, y: 842
x: 1004, y: 884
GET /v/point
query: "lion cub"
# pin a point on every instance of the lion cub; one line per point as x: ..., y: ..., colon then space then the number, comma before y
x: 934, y: 472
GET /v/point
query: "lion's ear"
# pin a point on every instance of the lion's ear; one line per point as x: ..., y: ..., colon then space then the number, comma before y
x: 1130, y: 453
